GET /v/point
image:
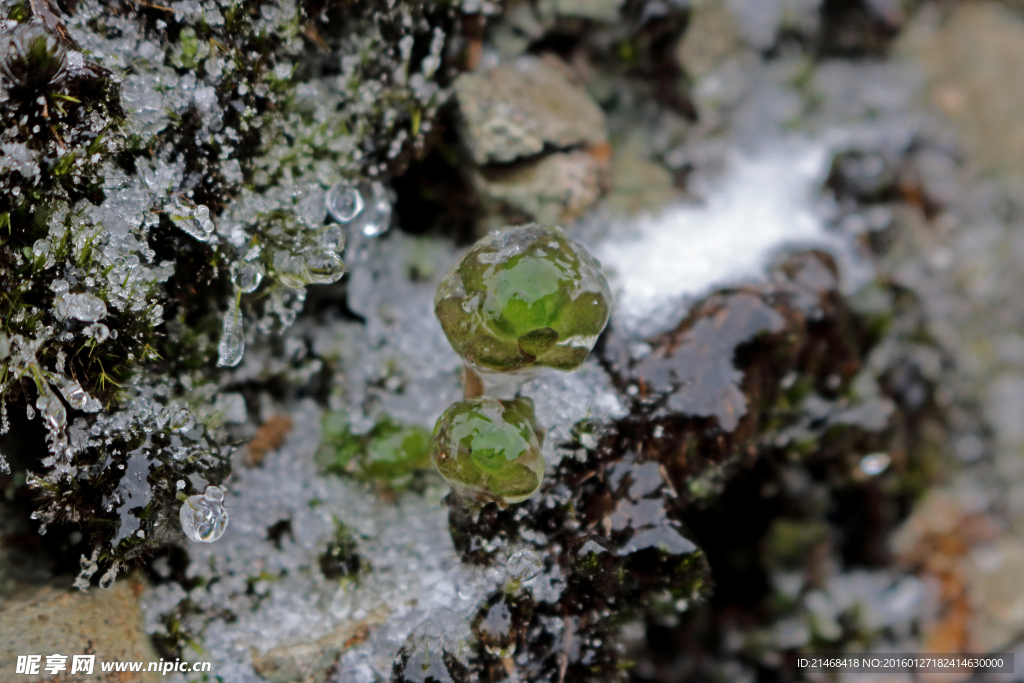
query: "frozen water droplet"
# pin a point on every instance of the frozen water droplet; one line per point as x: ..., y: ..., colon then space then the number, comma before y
x: 97, y: 331
x: 107, y: 580
x: 290, y: 269
x: 203, y: 517
x: 375, y: 219
x: 524, y: 566
x: 344, y: 202
x: 875, y: 463
x: 86, y: 307
x: 179, y: 420
x: 247, y: 275
x: 74, y: 394
x: 199, y: 224
x: 323, y: 266
x: 333, y: 238
x: 232, y: 339
x: 44, y: 249
x: 52, y: 410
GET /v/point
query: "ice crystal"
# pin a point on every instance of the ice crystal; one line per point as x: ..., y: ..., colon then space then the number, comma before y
x: 344, y: 202
x: 232, y: 339
x: 203, y: 517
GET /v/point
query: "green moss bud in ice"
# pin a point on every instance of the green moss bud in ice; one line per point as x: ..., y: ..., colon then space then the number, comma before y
x: 524, y: 297
x: 489, y: 449
x: 391, y: 453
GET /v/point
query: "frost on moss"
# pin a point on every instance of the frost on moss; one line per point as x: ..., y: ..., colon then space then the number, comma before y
x: 163, y: 177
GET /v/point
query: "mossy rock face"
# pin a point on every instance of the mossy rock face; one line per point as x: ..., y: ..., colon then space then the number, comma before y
x: 163, y: 191
x: 489, y: 449
x: 523, y: 298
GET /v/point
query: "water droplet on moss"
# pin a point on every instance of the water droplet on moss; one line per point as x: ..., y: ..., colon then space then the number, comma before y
x: 322, y: 266
x: 203, y: 517
x: 31, y: 55
x: 247, y: 275
x: 524, y: 566
x: 344, y: 203
x: 198, y: 224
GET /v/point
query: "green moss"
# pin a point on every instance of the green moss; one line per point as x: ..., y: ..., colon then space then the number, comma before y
x: 390, y: 453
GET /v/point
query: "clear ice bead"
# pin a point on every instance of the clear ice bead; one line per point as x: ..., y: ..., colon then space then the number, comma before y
x: 875, y: 463
x: 232, y: 338
x: 52, y: 410
x: 323, y: 266
x: 199, y: 224
x: 524, y: 566
x: 375, y: 219
x: 247, y: 275
x: 333, y: 238
x: 344, y: 202
x: 203, y: 517
x: 74, y: 394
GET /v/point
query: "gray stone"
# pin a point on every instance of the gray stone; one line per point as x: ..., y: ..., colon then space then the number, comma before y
x: 518, y: 109
x: 595, y: 10
x: 711, y: 36
x: 554, y: 190
x: 307, y: 662
x: 995, y: 582
x: 973, y: 61
x: 637, y: 183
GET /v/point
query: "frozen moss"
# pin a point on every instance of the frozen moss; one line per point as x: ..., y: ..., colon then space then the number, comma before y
x: 390, y: 453
x: 524, y: 297
x: 489, y: 449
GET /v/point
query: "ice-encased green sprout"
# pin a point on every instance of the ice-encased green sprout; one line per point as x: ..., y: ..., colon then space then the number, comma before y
x: 489, y: 449
x: 524, y: 297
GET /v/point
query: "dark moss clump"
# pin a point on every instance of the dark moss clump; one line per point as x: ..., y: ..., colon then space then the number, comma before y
x: 340, y: 559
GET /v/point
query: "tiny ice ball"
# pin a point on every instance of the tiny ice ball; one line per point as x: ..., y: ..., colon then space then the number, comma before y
x: 343, y: 202
x: 203, y: 517
x: 874, y: 464
x: 524, y: 566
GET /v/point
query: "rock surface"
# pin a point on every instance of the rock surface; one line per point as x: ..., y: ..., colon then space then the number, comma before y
x: 973, y: 59
x: 524, y: 108
x: 106, y: 623
x: 554, y: 190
